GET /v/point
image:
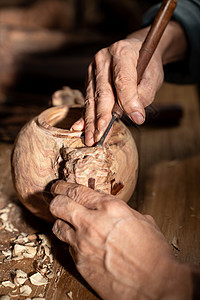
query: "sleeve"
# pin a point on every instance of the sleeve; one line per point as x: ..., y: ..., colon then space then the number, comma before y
x: 187, y: 13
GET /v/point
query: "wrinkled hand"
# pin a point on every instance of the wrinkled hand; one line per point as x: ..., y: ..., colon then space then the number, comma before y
x: 112, y: 75
x: 120, y: 253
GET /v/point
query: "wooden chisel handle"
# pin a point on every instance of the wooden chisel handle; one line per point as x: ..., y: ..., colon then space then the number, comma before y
x: 150, y: 43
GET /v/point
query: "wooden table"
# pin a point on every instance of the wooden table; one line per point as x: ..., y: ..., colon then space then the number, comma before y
x: 168, y: 189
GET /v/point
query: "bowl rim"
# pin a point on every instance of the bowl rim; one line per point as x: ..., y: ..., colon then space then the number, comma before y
x: 46, y: 117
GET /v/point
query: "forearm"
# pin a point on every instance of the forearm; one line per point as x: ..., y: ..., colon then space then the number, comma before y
x: 173, y: 44
x: 178, y: 285
x: 177, y: 281
x: 186, y: 14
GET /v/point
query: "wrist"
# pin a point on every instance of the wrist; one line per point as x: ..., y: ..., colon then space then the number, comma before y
x: 173, y: 283
x: 173, y: 43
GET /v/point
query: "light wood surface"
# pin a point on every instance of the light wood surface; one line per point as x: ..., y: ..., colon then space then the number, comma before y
x: 168, y: 189
x: 168, y: 186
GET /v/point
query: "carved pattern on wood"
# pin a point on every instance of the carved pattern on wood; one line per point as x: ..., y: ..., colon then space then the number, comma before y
x: 38, y: 159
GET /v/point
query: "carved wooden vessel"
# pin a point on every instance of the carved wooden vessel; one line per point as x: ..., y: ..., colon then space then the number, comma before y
x: 46, y: 150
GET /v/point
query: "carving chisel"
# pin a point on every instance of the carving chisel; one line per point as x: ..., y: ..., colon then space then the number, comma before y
x: 148, y: 47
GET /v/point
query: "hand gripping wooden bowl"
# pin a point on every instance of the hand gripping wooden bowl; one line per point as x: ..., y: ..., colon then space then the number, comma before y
x: 46, y: 150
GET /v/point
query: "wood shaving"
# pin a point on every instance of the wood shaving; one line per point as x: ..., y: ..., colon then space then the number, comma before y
x: 67, y: 96
x: 30, y: 246
x: 51, y: 258
x: 4, y: 297
x: 41, y: 252
x: 30, y: 252
x: 38, y: 279
x: 8, y: 283
x: 18, y: 257
x: 47, y: 250
x: 70, y: 295
x: 49, y: 274
x: 24, y: 251
x: 4, y: 217
x: 44, y: 240
x: 4, y: 212
x: 20, y: 277
x: 25, y: 290
x: 24, y: 238
x: 175, y: 243
x: 18, y: 250
x: 7, y: 254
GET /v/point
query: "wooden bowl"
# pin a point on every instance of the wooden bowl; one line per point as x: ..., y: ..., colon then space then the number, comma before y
x: 46, y: 150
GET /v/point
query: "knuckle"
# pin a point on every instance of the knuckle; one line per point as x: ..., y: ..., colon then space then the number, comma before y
x: 99, y: 56
x: 56, y: 228
x: 53, y: 205
x: 119, y: 48
x: 107, y: 205
x: 102, y: 92
x: 75, y: 216
x: 58, y: 225
x: 75, y: 192
x: 89, y: 101
x: 113, y: 206
x: 55, y: 187
x: 122, y: 81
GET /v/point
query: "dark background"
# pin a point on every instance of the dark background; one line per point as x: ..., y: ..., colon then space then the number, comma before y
x: 48, y: 44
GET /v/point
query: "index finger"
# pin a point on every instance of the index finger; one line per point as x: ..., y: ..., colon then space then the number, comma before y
x: 64, y: 208
x: 81, y: 194
x: 125, y: 79
x: 104, y: 95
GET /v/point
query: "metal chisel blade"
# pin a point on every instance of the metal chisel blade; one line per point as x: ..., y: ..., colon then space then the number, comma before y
x: 102, y: 139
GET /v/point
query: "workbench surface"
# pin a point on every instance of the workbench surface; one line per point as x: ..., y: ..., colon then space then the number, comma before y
x: 168, y: 189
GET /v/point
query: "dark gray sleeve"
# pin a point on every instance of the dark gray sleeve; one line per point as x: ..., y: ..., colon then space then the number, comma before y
x: 187, y: 13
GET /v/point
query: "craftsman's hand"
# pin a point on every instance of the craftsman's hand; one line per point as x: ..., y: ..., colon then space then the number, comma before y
x: 120, y: 253
x: 112, y: 75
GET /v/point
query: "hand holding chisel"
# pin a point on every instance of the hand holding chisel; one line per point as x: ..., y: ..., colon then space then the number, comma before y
x: 115, y: 72
x: 148, y: 47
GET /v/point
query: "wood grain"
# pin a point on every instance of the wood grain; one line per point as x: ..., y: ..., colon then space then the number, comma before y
x: 168, y: 189
x: 37, y: 159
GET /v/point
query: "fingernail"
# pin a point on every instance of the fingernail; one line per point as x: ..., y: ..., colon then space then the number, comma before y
x: 77, y: 125
x: 137, y: 118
